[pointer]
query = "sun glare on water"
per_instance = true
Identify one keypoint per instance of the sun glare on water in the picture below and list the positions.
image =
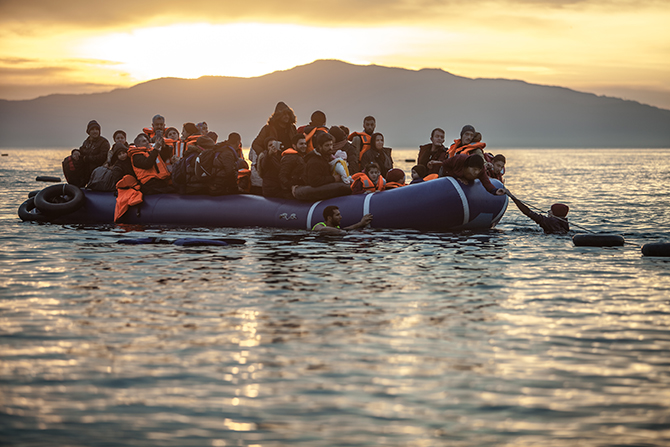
(245, 50)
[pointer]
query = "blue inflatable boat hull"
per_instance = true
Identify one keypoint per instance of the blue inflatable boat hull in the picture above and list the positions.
(438, 205)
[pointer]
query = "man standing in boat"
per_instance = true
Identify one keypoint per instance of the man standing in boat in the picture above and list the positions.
(362, 141)
(331, 222)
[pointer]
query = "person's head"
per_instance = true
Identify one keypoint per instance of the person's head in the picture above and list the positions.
(337, 132)
(559, 210)
(299, 143)
(158, 123)
(271, 145)
(345, 129)
(212, 136)
(324, 144)
(93, 129)
(498, 163)
(283, 115)
(318, 119)
(119, 152)
(172, 133)
(473, 167)
(189, 129)
(332, 216)
(467, 134)
(204, 143)
(396, 175)
(476, 138)
(75, 154)
(377, 141)
(373, 172)
(437, 137)
(369, 124)
(120, 137)
(142, 140)
(418, 172)
(202, 127)
(235, 140)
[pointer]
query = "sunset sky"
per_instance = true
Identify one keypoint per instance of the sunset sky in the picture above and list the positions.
(609, 47)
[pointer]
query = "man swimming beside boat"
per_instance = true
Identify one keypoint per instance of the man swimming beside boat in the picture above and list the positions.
(555, 222)
(332, 218)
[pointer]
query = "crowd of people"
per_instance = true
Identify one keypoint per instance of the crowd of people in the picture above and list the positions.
(309, 162)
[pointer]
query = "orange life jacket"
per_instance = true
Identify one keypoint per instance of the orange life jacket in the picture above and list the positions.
(149, 131)
(430, 177)
(366, 142)
(289, 151)
(159, 171)
(309, 137)
(454, 149)
(393, 185)
(129, 194)
(367, 183)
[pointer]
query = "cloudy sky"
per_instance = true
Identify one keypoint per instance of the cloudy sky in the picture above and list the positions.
(610, 47)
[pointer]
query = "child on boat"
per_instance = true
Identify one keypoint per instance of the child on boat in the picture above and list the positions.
(368, 181)
(340, 168)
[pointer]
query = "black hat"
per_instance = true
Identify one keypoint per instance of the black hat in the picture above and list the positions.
(466, 128)
(91, 125)
(338, 133)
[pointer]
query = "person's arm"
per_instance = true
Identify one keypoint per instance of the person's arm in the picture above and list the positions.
(364, 222)
(145, 161)
(537, 218)
(324, 229)
(486, 182)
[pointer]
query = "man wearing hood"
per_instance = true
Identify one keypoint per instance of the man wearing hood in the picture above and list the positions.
(93, 151)
(280, 127)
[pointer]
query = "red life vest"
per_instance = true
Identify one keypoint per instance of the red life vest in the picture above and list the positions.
(159, 171)
(367, 183)
(366, 142)
(456, 149)
(309, 137)
(128, 195)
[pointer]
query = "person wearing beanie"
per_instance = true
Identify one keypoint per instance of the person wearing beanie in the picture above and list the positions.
(395, 178)
(466, 144)
(418, 173)
(188, 130)
(343, 144)
(93, 151)
(120, 137)
(555, 222)
(280, 126)
(432, 155)
(467, 168)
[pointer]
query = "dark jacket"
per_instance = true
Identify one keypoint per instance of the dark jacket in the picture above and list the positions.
(269, 167)
(291, 170)
(93, 154)
(154, 185)
(426, 154)
(382, 158)
(455, 167)
(317, 170)
(550, 224)
(223, 175)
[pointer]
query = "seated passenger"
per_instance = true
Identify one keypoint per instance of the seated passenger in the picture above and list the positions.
(496, 169)
(466, 168)
(433, 154)
(362, 141)
(120, 137)
(418, 173)
(368, 181)
(212, 136)
(331, 222)
(183, 174)
(292, 165)
(120, 163)
(217, 166)
(466, 143)
(203, 129)
(73, 169)
(339, 166)
(395, 178)
(317, 169)
(378, 154)
(157, 128)
(268, 168)
(342, 144)
(93, 151)
(317, 124)
(150, 169)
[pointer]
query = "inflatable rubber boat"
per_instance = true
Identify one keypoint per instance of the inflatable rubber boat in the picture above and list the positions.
(442, 204)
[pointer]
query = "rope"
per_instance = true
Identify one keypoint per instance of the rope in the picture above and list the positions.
(542, 211)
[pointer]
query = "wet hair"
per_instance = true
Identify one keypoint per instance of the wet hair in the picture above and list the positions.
(329, 211)
(372, 165)
(296, 138)
(369, 118)
(421, 170)
(437, 129)
(474, 161)
(323, 138)
(499, 157)
(318, 118)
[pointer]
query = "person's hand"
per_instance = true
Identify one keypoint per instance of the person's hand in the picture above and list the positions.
(366, 219)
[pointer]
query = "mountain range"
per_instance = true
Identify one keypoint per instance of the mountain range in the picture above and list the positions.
(407, 104)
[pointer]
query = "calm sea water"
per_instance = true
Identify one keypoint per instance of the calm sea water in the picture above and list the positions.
(394, 338)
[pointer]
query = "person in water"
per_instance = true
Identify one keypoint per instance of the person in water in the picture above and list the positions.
(432, 155)
(467, 168)
(332, 219)
(555, 222)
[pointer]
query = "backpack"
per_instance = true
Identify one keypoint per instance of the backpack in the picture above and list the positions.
(204, 164)
(179, 177)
